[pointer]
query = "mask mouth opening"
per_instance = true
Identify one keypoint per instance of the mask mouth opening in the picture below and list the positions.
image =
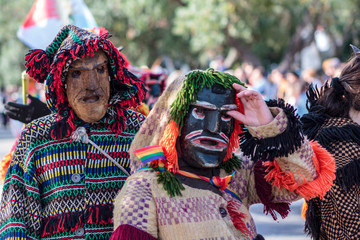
(90, 99)
(210, 143)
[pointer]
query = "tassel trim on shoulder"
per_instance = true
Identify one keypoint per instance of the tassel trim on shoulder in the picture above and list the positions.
(282, 145)
(324, 165)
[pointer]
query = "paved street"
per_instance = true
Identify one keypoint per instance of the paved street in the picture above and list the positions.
(290, 228)
(282, 229)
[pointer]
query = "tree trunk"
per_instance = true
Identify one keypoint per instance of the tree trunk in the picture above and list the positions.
(298, 42)
(243, 51)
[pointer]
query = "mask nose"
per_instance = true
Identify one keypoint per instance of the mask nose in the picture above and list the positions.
(92, 81)
(212, 121)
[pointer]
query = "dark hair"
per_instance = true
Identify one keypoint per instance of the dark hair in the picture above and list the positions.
(337, 94)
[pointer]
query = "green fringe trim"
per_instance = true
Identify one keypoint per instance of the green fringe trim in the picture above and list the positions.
(173, 185)
(195, 81)
(231, 164)
(54, 46)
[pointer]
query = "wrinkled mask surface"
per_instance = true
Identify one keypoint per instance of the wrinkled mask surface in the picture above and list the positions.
(207, 128)
(88, 87)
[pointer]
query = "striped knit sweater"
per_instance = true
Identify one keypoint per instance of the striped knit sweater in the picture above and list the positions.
(61, 189)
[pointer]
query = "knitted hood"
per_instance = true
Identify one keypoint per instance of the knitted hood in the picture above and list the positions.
(52, 65)
(164, 123)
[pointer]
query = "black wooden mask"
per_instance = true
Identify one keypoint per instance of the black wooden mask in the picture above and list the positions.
(207, 128)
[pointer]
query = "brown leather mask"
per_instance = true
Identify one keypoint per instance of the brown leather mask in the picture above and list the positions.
(88, 87)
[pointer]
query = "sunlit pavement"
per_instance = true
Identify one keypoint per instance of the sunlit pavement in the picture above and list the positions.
(281, 229)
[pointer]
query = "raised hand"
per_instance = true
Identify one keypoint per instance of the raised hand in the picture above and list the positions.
(26, 112)
(256, 112)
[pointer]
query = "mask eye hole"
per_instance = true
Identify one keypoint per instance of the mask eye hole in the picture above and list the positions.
(75, 74)
(225, 117)
(101, 69)
(198, 113)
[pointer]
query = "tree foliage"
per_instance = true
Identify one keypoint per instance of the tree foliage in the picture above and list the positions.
(194, 31)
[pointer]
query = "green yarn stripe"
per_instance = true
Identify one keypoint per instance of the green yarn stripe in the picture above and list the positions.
(195, 81)
(75, 37)
(60, 38)
(57, 42)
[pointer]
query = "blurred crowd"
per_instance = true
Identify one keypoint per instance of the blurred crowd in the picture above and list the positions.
(288, 85)
(274, 83)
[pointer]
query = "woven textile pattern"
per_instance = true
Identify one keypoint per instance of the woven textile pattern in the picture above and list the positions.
(58, 189)
(185, 217)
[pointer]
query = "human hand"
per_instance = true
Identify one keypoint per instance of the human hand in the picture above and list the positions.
(256, 112)
(26, 112)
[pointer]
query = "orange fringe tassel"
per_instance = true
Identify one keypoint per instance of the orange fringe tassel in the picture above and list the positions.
(324, 164)
(5, 162)
(167, 143)
(303, 210)
(4, 165)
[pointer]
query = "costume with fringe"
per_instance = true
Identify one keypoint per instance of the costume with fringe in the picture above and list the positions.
(154, 204)
(57, 188)
(337, 214)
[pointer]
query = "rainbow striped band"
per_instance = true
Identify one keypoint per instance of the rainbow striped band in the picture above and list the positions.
(150, 153)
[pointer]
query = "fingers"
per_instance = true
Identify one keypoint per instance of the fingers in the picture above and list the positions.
(11, 106)
(31, 97)
(236, 115)
(11, 115)
(249, 95)
(238, 87)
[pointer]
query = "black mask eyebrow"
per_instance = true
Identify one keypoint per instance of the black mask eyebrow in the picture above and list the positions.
(218, 89)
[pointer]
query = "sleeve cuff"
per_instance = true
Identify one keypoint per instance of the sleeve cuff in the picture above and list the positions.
(280, 138)
(275, 127)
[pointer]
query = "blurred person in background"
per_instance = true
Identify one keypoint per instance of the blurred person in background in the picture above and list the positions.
(3, 98)
(278, 79)
(330, 67)
(259, 82)
(297, 96)
(311, 77)
(291, 78)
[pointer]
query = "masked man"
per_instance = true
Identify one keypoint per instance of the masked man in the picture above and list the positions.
(68, 166)
(193, 186)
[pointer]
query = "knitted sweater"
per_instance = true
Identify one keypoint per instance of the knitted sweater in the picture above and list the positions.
(144, 210)
(337, 215)
(62, 189)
